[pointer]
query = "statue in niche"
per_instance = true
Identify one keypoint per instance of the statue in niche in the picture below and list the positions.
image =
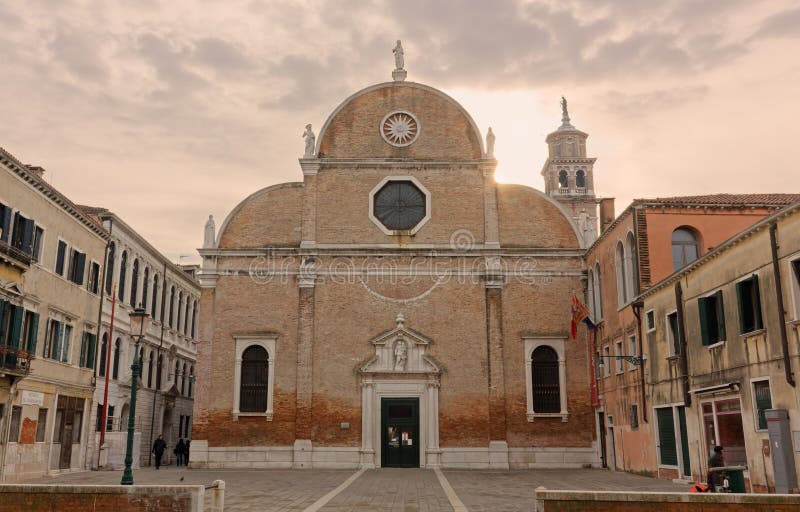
(208, 237)
(490, 138)
(586, 227)
(399, 61)
(400, 355)
(311, 142)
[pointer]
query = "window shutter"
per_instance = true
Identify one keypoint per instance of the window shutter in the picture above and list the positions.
(758, 323)
(4, 306)
(5, 222)
(27, 236)
(720, 316)
(702, 304)
(740, 306)
(55, 350)
(91, 350)
(33, 334)
(80, 267)
(17, 314)
(82, 359)
(60, 255)
(666, 437)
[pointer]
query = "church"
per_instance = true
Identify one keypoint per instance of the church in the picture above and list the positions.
(397, 307)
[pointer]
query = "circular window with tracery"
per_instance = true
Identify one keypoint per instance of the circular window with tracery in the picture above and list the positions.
(400, 128)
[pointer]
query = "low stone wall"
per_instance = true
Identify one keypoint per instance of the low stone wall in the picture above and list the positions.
(119, 498)
(621, 501)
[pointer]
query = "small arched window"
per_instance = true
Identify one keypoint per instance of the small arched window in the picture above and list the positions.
(134, 282)
(171, 305)
(191, 380)
(178, 315)
(103, 355)
(186, 317)
(598, 292)
(117, 350)
(619, 263)
(112, 248)
(194, 319)
(545, 379)
(630, 275)
(580, 179)
(150, 370)
(563, 180)
(123, 266)
(153, 302)
(145, 287)
(685, 247)
(253, 387)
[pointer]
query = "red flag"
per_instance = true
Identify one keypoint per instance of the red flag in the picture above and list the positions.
(580, 313)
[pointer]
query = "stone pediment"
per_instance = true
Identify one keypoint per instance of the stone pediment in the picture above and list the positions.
(400, 350)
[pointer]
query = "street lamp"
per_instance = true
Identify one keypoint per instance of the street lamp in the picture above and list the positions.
(140, 321)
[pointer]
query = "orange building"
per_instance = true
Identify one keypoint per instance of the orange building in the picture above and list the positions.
(648, 241)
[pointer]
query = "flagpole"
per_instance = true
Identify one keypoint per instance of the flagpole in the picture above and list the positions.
(104, 410)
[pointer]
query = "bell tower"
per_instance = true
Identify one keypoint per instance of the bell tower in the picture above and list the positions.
(569, 175)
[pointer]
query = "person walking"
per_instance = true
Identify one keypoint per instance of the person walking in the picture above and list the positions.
(186, 452)
(716, 461)
(158, 449)
(180, 451)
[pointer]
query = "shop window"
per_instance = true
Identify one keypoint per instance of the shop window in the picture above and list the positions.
(749, 298)
(722, 421)
(712, 318)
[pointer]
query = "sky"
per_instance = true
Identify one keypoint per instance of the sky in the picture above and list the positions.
(166, 112)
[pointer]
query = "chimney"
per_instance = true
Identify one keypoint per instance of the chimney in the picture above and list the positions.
(606, 212)
(36, 171)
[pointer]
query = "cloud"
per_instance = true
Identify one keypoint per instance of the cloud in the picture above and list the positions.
(628, 105)
(80, 54)
(220, 55)
(781, 24)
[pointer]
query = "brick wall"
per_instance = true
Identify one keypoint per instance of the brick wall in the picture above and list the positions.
(621, 501)
(120, 498)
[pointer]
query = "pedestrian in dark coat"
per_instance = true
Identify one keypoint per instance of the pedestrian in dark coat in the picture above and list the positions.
(180, 452)
(158, 449)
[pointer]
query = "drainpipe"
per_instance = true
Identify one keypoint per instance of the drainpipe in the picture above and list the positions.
(637, 312)
(687, 397)
(776, 270)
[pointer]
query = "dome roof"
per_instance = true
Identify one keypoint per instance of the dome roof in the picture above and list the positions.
(437, 126)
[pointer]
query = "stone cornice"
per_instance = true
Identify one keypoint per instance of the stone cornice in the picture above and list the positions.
(444, 251)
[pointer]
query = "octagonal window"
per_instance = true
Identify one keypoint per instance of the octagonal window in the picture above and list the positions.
(399, 205)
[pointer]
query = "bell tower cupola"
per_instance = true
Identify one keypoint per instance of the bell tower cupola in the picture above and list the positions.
(569, 175)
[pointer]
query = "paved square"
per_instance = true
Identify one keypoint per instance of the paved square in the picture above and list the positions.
(389, 490)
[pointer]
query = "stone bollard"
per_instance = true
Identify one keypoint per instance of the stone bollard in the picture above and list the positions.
(539, 504)
(218, 496)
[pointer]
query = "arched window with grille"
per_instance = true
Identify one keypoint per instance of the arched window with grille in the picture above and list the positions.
(685, 247)
(580, 179)
(134, 282)
(112, 248)
(123, 269)
(546, 377)
(546, 392)
(254, 374)
(117, 350)
(103, 355)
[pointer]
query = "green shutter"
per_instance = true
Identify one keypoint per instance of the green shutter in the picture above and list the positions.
(33, 334)
(763, 402)
(17, 314)
(720, 316)
(3, 320)
(702, 304)
(55, 349)
(757, 321)
(666, 437)
(740, 306)
(82, 359)
(687, 467)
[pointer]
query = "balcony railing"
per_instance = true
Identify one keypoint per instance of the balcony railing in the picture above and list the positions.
(572, 191)
(15, 361)
(21, 257)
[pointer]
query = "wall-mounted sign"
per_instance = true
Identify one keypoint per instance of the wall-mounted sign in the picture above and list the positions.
(32, 398)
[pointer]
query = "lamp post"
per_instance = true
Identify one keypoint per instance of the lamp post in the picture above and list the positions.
(139, 320)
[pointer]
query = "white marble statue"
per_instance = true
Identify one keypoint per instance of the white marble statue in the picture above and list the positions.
(586, 227)
(490, 138)
(209, 236)
(399, 61)
(400, 356)
(311, 142)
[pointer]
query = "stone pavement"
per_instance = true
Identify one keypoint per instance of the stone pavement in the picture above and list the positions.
(389, 489)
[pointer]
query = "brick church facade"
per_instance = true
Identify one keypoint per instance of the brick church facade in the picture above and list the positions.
(397, 307)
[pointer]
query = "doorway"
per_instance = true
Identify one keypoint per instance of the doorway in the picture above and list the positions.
(400, 432)
(601, 420)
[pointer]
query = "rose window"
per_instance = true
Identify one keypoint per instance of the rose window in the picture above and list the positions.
(400, 128)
